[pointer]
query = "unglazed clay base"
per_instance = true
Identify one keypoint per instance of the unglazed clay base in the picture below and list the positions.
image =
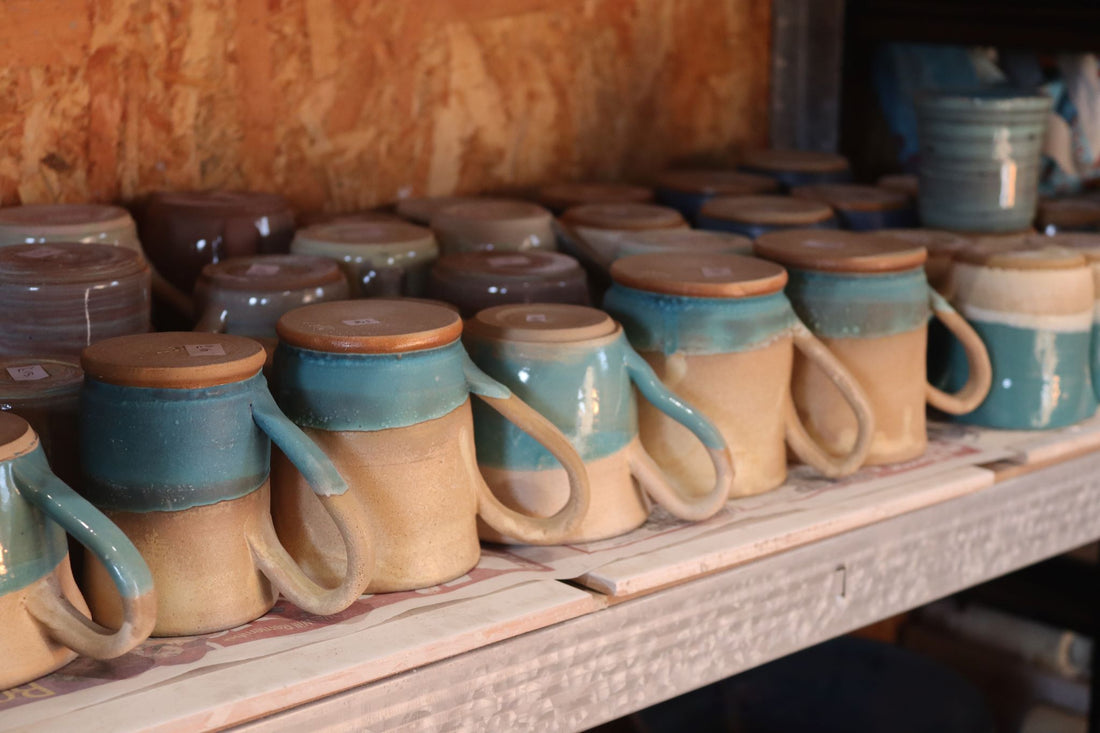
(617, 503)
(417, 487)
(892, 371)
(25, 645)
(203, 570)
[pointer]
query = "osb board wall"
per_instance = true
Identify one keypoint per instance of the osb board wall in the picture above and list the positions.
(341, 104)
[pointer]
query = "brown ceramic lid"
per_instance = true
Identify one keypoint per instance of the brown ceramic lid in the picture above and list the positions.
(272, 272)
(1026, 253)
(1084, 243)
(421, 210)
(371, 326)
(252, 203)
(767, 210)
(564, 195)
(175, 360)
(905, 183)
(542, 323)
(66, 262)
(16, 436)
(838, 251)
(1069, 213)
(776, 159)
(23, 378)
(624, 217)
(852, 196)
(491, 210)
(509, 265)
(717, 182)
(57, 217)
(700, 275)
(936, 241)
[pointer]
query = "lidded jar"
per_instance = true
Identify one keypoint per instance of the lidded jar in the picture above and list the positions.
(476, 280)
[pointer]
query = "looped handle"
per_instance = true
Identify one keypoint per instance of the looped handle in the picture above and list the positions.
(270, 555)
(980, 377)
(213, 320)
(169, 294)
(128, 571)
(804, 446)
(580, 245)
(649, 474)
(525, 528)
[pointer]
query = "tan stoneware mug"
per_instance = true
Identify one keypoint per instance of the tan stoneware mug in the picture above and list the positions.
(574, 365)
(175, 438)
(384, 388)
(868, 300)
(44, 620)
(720, 333)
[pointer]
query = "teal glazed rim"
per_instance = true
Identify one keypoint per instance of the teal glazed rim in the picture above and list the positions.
(860, 305)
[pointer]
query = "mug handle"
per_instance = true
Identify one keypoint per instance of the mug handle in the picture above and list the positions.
(273, 559)
(212, 320)
(646, 470)
(131, 576)
(523, 527)
(804, 446)
(168, 293)
(980, 378)
(579, 243)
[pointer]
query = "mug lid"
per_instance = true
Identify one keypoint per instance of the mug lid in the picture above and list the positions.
(906, 183)
(16, 436)
(541, 323)
(272, 272)
(1034, 252)
(227, 202)
(422, 209)
(716, 182)
(60, 219)
(67, 262)
(833, 250)
(767, 210)
(794, 161)
(370, 326)
(175, 360)
(853, 196)
(699, 275)
(491, 210)
(29, 377)
(628, 216)
(1069, 213)
(488, 265)
(936, 241)
(566, 194)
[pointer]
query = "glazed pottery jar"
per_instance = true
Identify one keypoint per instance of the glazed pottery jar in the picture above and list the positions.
(866, 297)
(476, 280)
(247, 295)
(86, 223)
(175, 445)
(797, 167)
(561, 196)
(43, 617)
(1069, 215)
(182, 231)
(1088, 246)
(573, 365)
(720, 333)
(379, 258)
(45, 393)
(57, 298)
(687, 190)
(383, 386)
(694, 241)
(594, 229)
(1033, 307)
(421, 210)
(493, 224)
(906, 183)
(979, 158)
(751, 216)
(862, 208)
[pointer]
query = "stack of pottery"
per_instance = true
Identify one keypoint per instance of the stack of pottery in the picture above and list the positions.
(752, 216)
(493, 224)
(561, 196)
(476, 280)
(687, 190)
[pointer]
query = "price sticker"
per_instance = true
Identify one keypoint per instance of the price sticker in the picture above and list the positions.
(39, 253)
(536, 318)
(205, 350)
(362, 322)
(28, 373)
(509, 260)
(710, 272)
(260, 270)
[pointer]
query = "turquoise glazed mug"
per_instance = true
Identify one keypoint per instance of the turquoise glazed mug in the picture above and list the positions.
(979, 158)
(175, 445)
(1033, 307)
(44, 620)
(574, 365)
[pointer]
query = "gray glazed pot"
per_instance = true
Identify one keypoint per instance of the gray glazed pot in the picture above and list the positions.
(979, 168)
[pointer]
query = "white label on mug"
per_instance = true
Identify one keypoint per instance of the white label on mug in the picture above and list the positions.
(205, 350)
(258, 270)
(39, 253)
(536, 318)
(27, 373)
(361, 322)
(509, 260)
(716, 271)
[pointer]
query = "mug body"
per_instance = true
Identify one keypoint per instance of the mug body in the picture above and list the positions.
(493, 224)
(473, 281)
(84, 223)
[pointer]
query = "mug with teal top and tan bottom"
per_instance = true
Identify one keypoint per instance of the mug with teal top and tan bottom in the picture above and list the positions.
(574, 365)
(44, 620)
(175, 441)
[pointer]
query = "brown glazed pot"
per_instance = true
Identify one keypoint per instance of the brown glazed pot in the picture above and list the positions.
(476, 280)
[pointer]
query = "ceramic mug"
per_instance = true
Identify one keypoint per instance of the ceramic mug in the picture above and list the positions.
(384, 388)
(862, 208)
(84, 223)
(720, 333)
(591, 231)
(493, 224)
(1033, 307)
(797, 167)
(175, 439)
(46, 393)
(573, 365)
(57, 298)
(684, 241)
(1087, 245)
(380, 258)
(687, 190)
(476, 280)
(420, 210)
(44, 620)
(561, 196)
(752, 216)
(867, 299)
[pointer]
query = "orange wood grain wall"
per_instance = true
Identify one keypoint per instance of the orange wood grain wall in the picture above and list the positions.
(342, 104)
